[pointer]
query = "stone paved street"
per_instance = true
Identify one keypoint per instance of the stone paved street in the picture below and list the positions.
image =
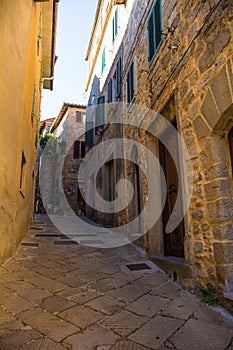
(69, 296)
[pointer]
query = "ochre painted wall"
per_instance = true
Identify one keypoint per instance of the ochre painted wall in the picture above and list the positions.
(19, 73)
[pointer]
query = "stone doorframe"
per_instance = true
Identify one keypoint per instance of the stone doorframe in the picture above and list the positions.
(156, 234)
(212, 127)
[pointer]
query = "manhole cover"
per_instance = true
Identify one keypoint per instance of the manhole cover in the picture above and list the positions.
(65, 242)
(30, 244)
(139, 266)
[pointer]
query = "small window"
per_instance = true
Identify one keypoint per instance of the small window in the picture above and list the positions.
(103, 61)
(33, 104)
(110, 90)
(118, 78)
(22, 174)
(154, 29)
(130, 83)
(78, 117)
(115, 26)
(79, 149)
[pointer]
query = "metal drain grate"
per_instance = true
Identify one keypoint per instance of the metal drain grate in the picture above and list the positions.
(36, 228)
(50, 235)
(30, 244)
(93, 241)
(138, 267)
(70, 242)
(84, 235)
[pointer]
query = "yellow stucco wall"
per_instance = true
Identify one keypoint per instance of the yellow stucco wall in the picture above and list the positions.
(19, 73)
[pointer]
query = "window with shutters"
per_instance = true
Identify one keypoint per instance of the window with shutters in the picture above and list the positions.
(154, 29)
(110, 90)
(130, 84)
(100, 115)
(79, 149)
(118, 78)
(78, 117)
(115, 26)
(103, 63)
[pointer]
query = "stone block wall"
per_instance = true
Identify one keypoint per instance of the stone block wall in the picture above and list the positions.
(197, 76)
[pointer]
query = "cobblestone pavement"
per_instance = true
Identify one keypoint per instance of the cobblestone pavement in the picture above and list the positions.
(55, 295)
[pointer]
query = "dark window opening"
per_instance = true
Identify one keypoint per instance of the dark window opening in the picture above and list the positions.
(100, 115)
(230, 142)
(79, 149)
(22, 172)
(78, 117)
(110, 90)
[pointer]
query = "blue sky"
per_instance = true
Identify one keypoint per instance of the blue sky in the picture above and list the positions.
(75, 20)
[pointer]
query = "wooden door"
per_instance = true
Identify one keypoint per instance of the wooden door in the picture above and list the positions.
(174, 241)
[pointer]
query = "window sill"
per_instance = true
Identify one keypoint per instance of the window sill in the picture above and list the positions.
(130, 104)
(151, 61)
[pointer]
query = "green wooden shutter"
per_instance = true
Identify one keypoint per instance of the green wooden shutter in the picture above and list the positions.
(118, 77)
(157, 21)
(103, 61)
(100, 111)
(113, 29)
(150, 29)
(130, 83)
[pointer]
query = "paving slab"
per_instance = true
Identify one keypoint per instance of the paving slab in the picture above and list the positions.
(15, 303)
(43, 344)
(51, 325)
(81, 316)
(147, 305)
(128, 345)
(129, 293)
(17, 339)
(56, 304)
(106, 304)
(78, 297)
(92, 337)
(156, 331)
(124, 322)
(200, 335)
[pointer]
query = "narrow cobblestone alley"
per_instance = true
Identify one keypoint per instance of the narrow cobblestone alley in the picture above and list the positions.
(58, 295)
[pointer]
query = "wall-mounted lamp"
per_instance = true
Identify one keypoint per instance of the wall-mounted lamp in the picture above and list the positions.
(173, 47)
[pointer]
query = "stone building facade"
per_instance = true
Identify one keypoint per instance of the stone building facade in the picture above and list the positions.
(68, 130)
(27, 45)
(180, 56)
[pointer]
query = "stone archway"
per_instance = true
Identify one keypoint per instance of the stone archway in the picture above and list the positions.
(212, 128)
